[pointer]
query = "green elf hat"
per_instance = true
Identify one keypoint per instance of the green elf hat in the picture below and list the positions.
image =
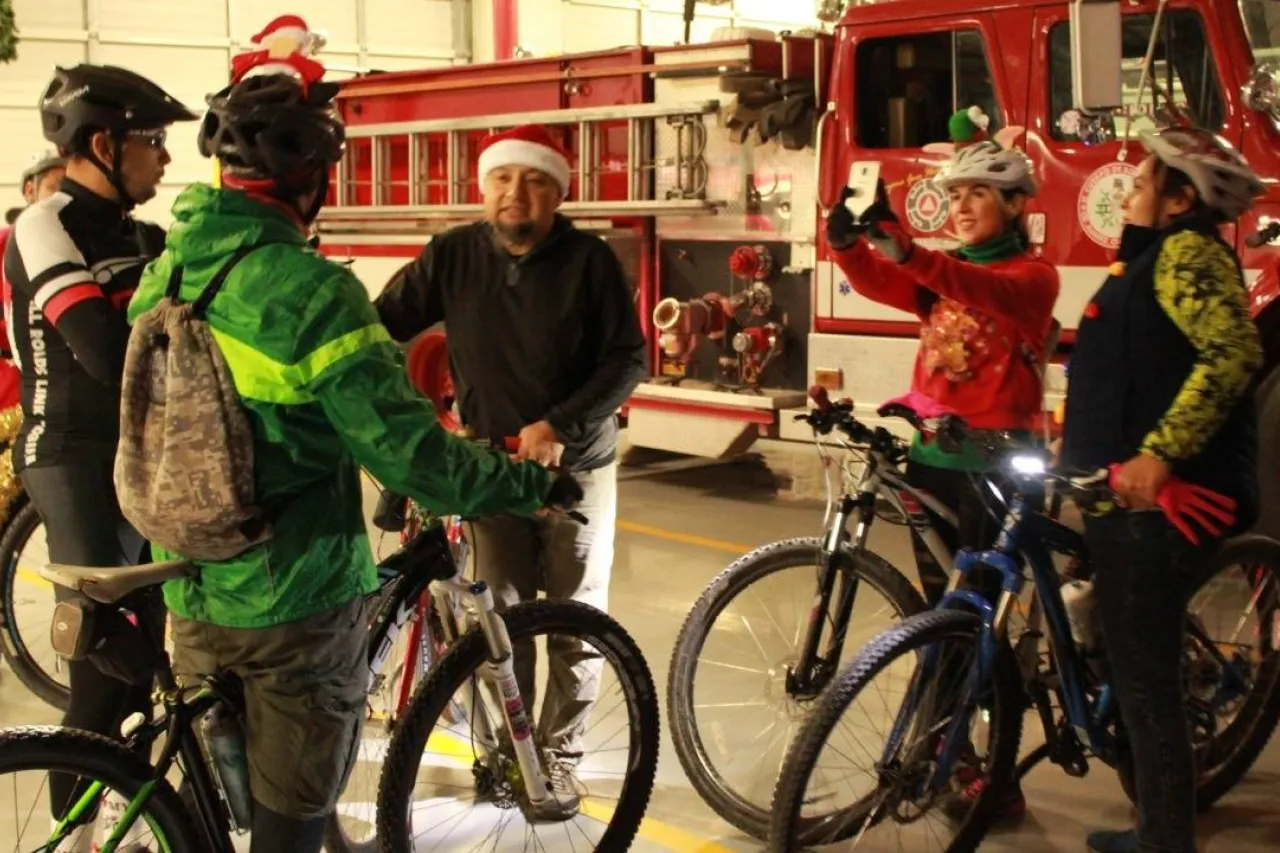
(968, 126)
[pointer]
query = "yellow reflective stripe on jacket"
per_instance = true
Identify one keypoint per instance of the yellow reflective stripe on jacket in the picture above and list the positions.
(260, 377)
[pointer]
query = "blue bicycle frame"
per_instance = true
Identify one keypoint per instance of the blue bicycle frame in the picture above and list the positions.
(1027, 537)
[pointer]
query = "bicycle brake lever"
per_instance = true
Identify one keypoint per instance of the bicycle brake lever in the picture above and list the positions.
(577, 516)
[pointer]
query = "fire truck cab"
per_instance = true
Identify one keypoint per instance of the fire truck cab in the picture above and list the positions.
(709, 167)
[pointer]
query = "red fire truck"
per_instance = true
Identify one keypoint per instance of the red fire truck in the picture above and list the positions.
(708, 167)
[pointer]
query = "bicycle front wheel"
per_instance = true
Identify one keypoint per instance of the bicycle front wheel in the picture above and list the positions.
(455, 784)
(731, 711)
(900, 799)
(29, 754)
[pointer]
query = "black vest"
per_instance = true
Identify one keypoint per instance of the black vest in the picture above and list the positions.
(1129, 363)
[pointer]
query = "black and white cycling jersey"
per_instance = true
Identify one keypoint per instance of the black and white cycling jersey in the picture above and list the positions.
(70, 268)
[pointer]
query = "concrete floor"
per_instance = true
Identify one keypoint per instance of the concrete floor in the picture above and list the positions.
(677, 531)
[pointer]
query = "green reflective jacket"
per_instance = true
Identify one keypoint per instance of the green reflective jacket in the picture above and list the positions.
(326, 393)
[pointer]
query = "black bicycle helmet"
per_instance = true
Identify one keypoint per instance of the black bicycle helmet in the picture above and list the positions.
(80, 101)
(273, 127)
(87, 98)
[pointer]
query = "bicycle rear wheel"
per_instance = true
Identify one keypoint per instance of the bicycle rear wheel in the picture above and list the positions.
(1233, 709)
(427, 749)
(26, 613)
(164, 824)
(936, 652)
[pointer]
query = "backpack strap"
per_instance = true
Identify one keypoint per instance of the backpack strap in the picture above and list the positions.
(175, 283)
(201, 305)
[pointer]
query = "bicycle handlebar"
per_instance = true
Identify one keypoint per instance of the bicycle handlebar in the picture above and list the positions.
(1264, 235)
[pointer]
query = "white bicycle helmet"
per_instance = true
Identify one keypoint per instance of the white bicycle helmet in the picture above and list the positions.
(1221, 176)
(988, 163)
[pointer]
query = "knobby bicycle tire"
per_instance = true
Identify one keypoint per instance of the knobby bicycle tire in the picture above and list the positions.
(906, 638)
(1247, 736)
(872, 569)
(469, 653)
(17, 533)
(71, 751)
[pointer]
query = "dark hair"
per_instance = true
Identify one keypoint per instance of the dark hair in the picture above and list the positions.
(1173, 182)
(11, 215)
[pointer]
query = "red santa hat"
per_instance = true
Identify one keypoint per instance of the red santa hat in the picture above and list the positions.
(288, 34)
(530, 146)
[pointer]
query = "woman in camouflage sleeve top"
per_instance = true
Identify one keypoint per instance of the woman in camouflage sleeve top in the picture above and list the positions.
(1160, 384)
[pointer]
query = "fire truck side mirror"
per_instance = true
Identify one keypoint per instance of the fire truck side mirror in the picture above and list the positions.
(1095, 55)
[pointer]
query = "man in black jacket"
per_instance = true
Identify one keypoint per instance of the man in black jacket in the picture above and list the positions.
(544, 343)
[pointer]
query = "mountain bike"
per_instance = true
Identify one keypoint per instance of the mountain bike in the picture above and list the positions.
(203, 819)
(837, 564)
(961, 671)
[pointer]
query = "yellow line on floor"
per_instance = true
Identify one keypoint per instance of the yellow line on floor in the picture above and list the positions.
(452, 745)
(685, 538)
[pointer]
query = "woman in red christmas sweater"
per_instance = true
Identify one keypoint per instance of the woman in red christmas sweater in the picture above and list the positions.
(986, 311)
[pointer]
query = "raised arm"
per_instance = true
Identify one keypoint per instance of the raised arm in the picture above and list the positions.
(1025, 292)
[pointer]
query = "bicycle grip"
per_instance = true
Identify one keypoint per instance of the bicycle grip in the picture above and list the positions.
(511, 443)
(820, 398)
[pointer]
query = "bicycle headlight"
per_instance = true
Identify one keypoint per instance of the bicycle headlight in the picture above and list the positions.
(1027, 465)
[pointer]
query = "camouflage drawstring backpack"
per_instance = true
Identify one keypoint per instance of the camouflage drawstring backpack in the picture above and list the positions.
(184, 465)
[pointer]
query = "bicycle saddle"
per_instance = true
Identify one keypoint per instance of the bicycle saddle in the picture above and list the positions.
(109, 585)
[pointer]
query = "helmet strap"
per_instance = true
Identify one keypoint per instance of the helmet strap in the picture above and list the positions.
(113, 172)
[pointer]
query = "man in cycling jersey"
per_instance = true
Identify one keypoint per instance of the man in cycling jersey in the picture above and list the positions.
(326, 392)
(71, 264)
(544, 343)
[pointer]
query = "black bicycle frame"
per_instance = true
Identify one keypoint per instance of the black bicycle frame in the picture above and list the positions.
(814, 669)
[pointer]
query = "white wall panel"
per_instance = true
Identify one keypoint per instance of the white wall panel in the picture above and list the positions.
(141, 18)
(412, 26)
(337, 17)
(585, 25)
(49, 14)
(597, 27)
(186, 48)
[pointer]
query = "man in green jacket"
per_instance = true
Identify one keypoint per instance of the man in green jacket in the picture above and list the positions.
(326, 392)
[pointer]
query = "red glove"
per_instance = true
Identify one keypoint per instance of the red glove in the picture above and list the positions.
(1183, 502)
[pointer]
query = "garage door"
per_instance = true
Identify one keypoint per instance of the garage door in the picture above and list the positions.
(186, 48)
(582, 25)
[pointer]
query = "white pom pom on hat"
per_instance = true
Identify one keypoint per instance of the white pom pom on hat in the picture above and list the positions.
(530, 146)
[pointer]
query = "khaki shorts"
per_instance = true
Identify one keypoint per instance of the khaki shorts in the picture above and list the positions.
(304, 694)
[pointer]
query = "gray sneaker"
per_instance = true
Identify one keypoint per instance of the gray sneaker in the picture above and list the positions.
(564, 802)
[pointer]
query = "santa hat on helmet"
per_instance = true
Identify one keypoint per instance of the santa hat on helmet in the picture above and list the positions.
(530, 146)
(286, 45)
(287, 35)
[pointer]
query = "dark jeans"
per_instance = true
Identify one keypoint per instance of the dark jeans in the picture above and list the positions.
(1144, 571)
(84, 527)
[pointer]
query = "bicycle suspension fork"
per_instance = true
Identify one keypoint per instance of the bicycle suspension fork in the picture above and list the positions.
(814, 670)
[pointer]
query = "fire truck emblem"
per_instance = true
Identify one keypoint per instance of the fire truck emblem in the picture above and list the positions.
(1099, 206)
(927, 207)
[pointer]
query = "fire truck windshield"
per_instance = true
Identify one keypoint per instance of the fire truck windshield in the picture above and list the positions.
(1262, 23)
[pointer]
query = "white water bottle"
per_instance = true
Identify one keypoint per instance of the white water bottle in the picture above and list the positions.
(1078, 599)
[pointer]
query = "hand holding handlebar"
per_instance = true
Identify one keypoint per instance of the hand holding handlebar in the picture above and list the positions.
(1183, 502)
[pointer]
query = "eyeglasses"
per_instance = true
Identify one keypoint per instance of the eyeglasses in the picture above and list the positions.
(153, 139)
